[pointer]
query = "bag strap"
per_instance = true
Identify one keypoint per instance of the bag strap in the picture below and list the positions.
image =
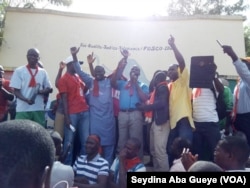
(214, 92)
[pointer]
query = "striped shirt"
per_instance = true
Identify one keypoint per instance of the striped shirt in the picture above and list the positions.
(91, 169)
(204, 107)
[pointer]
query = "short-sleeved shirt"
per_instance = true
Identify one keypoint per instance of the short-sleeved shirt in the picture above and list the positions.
(73, 86)
(128, 100)
(21, 79)
(180, 105)
(204, 107)
(91, 169)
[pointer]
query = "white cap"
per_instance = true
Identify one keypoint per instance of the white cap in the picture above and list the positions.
(68, 60)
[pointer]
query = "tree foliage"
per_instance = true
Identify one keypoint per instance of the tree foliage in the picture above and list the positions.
(210, 7)
(205, 7)
(247, 40)
(32, 3)
(25, 4)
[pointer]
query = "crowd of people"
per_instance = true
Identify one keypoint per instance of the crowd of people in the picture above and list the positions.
(99, 137)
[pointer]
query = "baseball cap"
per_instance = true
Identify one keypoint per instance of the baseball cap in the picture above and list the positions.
(68, 60)
(1, 69)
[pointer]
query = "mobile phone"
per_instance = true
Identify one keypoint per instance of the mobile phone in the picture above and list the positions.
(219, 43)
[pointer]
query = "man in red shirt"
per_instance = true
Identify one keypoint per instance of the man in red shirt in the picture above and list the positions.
(6, 94)
(76, 110)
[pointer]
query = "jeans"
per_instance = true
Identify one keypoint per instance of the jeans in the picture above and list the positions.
(206, 137)
(81, 123)
(242, 124)
(184, 130)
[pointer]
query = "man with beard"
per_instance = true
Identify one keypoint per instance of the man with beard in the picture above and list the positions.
(102, 120)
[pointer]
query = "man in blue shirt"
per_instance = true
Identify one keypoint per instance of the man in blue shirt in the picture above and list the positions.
(132, 92)
(241, 109)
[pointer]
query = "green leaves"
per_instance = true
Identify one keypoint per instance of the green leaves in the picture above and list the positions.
(205, 7)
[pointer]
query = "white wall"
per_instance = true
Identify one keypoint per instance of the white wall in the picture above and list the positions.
(54, 32)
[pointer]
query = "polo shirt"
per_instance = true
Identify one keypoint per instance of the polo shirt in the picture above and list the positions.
(91, 169)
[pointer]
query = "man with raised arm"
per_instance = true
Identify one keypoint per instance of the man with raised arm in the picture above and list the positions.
(241, 109)
(102, 120)
(180, 107)
(130, 119)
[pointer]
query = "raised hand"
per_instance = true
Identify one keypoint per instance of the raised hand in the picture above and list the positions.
(91, 58)
(62, 65)
(188, 158)
(74, 50)
(229, 51)
(171, 41)
(124, 53)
